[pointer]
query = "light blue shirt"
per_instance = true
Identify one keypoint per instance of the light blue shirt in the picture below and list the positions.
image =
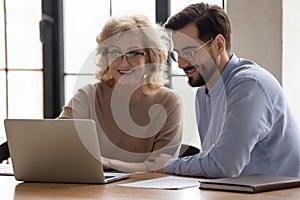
(245, 127)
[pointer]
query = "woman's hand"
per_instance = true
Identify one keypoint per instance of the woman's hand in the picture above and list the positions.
(105, 163)
(160, 161)
(123, 166)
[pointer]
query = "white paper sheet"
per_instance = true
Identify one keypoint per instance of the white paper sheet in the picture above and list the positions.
(6, 169)
(169, 182)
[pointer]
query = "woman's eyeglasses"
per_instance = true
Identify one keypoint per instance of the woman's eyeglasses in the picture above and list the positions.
(188, 53)
(132, 57)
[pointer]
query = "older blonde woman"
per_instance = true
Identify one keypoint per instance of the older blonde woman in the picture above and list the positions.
(137, 117)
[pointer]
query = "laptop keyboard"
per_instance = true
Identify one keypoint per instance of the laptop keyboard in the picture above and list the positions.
(109, 177)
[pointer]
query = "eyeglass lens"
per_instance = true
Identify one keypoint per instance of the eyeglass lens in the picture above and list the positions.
(188, 54)
(131, 56)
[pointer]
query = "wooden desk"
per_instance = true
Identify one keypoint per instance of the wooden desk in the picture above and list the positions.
(12, 189)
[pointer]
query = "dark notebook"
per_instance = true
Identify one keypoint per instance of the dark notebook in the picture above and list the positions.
(251, 183)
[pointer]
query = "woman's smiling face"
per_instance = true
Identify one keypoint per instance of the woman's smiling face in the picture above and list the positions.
(127, 58)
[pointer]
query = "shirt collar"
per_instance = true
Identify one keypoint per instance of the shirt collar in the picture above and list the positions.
(219, 85)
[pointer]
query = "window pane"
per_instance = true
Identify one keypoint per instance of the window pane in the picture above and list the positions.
(24, 46)
(2, 106)
(187, 95)
(82, 23)
(73, 83)
(2, 47)
(121, 7)
(177, 6)
(25, 95)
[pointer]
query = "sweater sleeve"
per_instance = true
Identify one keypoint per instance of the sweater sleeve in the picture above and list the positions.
(79, 106)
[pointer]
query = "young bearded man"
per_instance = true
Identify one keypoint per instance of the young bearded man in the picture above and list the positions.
(244, 121)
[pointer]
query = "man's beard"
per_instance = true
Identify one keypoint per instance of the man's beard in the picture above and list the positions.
(205, 71)
(198, 81)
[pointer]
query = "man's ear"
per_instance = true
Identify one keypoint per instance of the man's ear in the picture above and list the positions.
(220, 43)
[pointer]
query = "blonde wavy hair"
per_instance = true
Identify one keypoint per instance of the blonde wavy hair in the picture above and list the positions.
(153, 36)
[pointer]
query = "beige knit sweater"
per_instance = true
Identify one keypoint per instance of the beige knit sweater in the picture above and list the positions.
(134, 130)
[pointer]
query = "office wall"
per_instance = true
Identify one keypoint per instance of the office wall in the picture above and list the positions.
(257, 32)
(291, 54)
(267, 32)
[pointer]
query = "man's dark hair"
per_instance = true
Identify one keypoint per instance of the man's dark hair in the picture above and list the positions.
(210, 20)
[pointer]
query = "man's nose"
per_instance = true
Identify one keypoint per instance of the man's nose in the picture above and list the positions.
(182, 63)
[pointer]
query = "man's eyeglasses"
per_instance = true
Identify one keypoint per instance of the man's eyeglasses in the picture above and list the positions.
(133, 56)
(188, 53)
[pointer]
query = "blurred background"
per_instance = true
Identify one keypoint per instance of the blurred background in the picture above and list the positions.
(46, 45)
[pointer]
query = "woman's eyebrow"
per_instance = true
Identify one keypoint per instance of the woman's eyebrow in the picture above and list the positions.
(114, 47)
(134, 48)
(131, 48)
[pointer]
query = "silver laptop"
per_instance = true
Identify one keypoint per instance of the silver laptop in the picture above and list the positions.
(50, 150)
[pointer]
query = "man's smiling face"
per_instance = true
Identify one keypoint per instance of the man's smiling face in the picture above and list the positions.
(195, 58)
